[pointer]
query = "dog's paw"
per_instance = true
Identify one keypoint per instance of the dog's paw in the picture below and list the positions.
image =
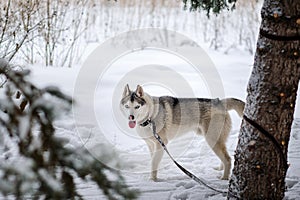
(224, 178)
(156, 179)
(153, 179)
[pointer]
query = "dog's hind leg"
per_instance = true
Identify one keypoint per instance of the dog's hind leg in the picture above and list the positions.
(221, 151)
(216, 137)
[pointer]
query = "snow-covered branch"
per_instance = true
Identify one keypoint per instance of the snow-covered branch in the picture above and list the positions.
(36, 162)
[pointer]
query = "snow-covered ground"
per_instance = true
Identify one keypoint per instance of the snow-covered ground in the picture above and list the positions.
(191, 150)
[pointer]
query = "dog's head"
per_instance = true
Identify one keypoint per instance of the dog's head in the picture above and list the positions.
(134, 105)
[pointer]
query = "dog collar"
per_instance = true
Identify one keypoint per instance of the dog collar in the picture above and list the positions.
(146, 123)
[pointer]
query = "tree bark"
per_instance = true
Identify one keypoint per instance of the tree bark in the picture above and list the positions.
(259, 170)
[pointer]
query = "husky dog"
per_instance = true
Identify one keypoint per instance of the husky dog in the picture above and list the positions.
(176, 116)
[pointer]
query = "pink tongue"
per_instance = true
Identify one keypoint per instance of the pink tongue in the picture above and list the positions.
(132, 124)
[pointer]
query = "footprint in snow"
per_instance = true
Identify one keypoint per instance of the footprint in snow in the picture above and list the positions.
(187, 185)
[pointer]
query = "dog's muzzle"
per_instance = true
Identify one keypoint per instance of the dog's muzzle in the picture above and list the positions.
(132, 122)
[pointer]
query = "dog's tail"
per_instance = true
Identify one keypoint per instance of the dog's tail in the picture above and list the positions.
(234, 104)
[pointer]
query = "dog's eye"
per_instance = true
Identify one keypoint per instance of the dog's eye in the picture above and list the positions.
(126, 106)
(137, 107)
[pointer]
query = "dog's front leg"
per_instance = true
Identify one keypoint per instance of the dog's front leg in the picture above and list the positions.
(150, 145)
(157, 155)
(156, 158)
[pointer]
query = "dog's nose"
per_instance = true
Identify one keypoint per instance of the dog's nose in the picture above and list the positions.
(131, 117)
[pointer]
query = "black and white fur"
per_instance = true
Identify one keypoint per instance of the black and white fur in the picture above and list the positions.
(176, 116)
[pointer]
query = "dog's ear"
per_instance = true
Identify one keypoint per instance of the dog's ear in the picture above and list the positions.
(126, 91)
(139, 91)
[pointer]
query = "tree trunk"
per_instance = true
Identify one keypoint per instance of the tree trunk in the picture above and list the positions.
(260, 168)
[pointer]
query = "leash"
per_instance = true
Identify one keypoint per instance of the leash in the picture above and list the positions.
(270, 137)
(188, 173)
(201, 181)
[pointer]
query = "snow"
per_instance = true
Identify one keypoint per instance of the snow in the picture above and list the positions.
(118, 140)
(24, 126)
(102, 129)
